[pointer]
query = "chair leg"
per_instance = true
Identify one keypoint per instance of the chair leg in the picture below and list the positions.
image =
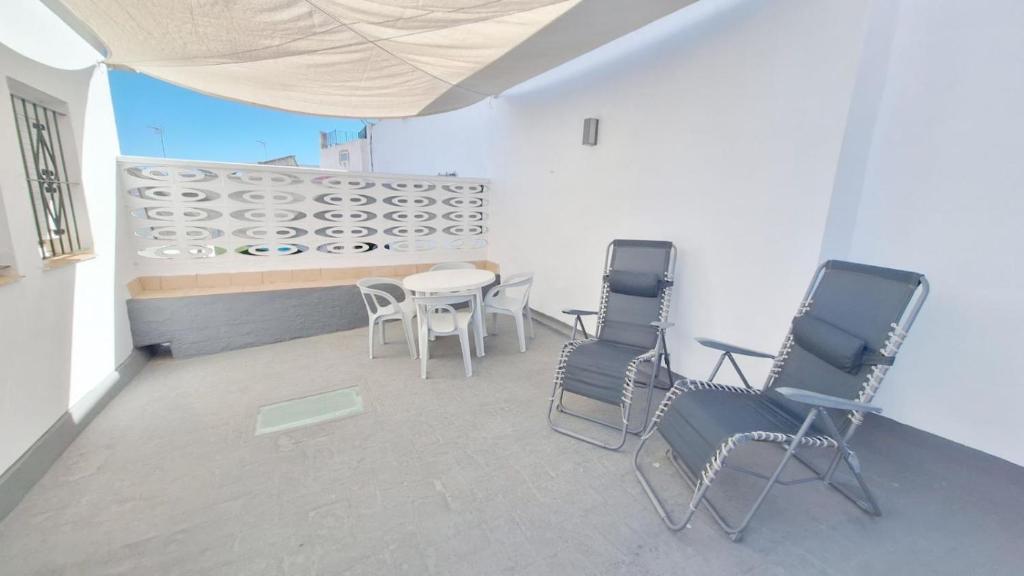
(384, 332)
(868, 504)
(520, 332)
(696, 481)
(790, 451)
(478, 324)
(556, 405)
(653, 496)
(467, 361)
(409, 338)
(373, 323)
(424, 352)
(866, 499)
(697, 499)
(845, 454)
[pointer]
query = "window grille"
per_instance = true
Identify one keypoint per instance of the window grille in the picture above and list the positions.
(50, 185)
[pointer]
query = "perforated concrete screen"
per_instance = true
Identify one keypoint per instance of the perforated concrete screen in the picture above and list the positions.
(234, 217)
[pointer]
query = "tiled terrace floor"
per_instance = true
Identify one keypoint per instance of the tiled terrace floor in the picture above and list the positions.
(456, 476)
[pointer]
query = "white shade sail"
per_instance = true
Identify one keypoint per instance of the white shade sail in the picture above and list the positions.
(355, 58)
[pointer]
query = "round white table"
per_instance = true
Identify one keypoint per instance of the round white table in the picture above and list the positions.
(451, 281)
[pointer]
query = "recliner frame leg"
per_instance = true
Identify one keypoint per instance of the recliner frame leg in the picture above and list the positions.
(556, 394)
(847, 455)
(556, 405)
(700, 487)
(653, 496)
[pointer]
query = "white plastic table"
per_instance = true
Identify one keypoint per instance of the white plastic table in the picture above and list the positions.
(452, 281)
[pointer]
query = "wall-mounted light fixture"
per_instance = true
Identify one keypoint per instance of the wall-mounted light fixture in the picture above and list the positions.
(590, 131)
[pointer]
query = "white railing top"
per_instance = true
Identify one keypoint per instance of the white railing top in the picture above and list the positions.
(152, 160)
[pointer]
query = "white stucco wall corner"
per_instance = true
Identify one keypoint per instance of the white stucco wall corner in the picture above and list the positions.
(71, 328)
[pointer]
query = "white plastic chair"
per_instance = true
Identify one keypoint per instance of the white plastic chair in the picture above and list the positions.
(453, 266)
(512, 298)
(438, 317)
(382, 307)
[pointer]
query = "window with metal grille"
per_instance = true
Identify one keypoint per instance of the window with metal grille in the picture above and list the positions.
(52, 176)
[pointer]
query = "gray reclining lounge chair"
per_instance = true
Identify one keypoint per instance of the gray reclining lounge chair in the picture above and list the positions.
(631, 324)
(840, 346)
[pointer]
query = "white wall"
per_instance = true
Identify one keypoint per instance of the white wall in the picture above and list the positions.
(720, 130)
(761, 137)
(61, 330)
(358, 156)
(944, 194)
(440, 144)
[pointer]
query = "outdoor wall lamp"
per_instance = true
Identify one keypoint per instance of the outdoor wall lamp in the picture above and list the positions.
(590, 131)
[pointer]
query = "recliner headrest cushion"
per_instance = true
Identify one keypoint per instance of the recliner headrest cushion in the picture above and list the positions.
(829, 342)
(644, 284)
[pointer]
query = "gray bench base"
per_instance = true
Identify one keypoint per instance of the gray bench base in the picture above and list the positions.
(196, 325)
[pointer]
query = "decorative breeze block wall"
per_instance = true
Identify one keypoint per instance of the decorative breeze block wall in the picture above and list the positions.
(195, 217)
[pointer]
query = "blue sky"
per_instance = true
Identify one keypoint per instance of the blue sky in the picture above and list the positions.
(198, 127)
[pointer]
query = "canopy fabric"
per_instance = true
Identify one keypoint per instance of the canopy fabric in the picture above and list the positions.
(355, 58)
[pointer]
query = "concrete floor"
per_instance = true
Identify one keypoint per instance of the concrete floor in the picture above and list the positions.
(456, 476)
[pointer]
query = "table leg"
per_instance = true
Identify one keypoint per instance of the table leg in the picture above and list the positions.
(419, 316)
(478, 318)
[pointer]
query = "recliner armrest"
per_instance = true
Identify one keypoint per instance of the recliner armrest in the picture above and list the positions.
(662, 325)
(731, 348)
(825, 401)
(576, 312)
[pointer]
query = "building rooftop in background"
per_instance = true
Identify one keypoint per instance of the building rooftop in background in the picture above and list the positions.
(282, 161)
(346, 150)
(336, 137)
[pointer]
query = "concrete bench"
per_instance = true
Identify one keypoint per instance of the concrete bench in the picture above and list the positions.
(208, 313)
